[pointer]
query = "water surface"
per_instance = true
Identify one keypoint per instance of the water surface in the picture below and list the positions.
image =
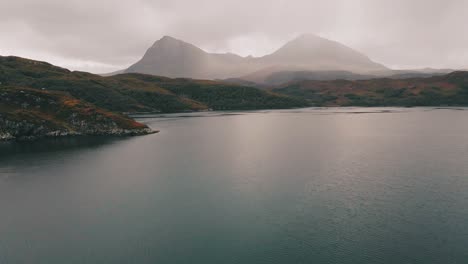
(336, 185)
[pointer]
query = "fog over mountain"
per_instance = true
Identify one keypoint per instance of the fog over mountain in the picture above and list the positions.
(175, 58)
(108, 35)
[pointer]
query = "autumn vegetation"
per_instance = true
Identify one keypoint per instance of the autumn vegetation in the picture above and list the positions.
(445, 90)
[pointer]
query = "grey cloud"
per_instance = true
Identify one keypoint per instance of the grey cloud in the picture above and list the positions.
(107, 35)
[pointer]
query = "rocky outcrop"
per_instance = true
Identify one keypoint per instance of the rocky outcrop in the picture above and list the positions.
(28, 114)
(25, 130)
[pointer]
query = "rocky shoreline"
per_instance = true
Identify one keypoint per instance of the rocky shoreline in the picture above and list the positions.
(24, 131)
(55, 134)
(29, 114)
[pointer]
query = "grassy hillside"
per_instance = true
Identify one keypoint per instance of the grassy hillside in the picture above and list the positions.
(139, 92)
(27, 113)
(447, 90)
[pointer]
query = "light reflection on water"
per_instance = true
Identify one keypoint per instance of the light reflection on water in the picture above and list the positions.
(316, 185)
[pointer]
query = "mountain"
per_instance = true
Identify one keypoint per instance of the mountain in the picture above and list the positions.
(175, 58)
(446, 90)
(313, 53)
(40, 99)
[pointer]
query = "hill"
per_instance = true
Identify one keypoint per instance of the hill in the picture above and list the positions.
(282, 77)
(445, 90)
(276, 76)
(139, 92)
(27, 113)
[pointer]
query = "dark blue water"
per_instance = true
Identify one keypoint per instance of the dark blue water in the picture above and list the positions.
(339, 185)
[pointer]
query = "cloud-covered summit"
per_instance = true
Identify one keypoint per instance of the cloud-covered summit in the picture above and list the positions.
(175, 58)
(106, 35)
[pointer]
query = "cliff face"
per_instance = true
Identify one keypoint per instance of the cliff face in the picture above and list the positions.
(27, 114)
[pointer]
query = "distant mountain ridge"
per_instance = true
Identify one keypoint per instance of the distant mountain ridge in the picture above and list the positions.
(175, 58)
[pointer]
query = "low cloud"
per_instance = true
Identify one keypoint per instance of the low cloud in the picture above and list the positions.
(107, 35)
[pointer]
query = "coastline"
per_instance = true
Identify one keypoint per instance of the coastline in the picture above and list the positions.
(7, 136)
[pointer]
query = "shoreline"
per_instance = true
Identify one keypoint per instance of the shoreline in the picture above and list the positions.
(8, 137)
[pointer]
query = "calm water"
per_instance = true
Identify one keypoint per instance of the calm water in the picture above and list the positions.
(355, 185)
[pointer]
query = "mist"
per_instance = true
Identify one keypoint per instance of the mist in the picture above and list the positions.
(103, 36)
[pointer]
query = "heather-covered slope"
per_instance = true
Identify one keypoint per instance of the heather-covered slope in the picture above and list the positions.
(139, 92)
(446, 90)
(30, 113)
(120, 95)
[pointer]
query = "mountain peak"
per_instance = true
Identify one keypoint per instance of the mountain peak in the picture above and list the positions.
(307, 36)
(308, 41)
(172, 45)
(168, 40)
(313, 52)
(171, 57)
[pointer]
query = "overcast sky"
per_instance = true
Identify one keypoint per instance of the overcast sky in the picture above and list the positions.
(107, 35)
